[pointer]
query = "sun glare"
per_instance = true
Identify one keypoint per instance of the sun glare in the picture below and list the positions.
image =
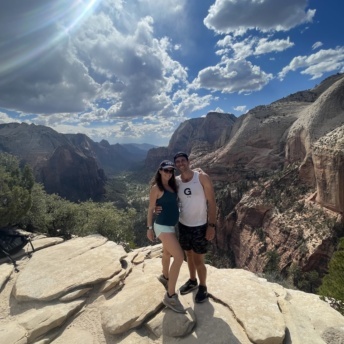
(44, 27)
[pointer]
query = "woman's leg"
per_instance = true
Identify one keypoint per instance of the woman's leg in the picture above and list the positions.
(165, 260)
(171, 244)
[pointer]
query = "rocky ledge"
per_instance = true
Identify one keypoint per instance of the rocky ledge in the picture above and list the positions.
(90, 291)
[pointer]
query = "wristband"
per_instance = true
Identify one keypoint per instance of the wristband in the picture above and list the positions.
(211, 225)
(149, 227)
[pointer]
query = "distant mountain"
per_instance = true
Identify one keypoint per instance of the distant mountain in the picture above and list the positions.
(138, 150)
(112, 158)
(71, 165)
(140, 146)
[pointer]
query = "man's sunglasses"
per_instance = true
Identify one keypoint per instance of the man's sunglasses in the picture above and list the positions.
(168, 171)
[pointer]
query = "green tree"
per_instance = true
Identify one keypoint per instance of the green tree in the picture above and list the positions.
(107, 220)
(36, 219)
(333, 283)
(273, 262)
(15, 190)
(61, 216)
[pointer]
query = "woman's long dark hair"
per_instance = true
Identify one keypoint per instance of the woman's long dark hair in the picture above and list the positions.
(157, 180)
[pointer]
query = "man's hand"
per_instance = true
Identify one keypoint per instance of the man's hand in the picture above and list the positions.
(210, 233)
(157, 209)
(198, 169)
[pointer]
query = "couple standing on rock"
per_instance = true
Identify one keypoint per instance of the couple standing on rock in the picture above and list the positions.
(188, 200)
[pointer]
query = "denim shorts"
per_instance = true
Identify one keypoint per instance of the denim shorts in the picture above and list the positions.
(158, 229)
(193, 238)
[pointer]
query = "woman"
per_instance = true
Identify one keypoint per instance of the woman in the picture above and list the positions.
(164, 193)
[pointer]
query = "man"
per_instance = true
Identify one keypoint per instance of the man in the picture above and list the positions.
(197, 220)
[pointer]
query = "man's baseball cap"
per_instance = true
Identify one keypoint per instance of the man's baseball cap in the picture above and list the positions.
(165, 164)
(179, 154)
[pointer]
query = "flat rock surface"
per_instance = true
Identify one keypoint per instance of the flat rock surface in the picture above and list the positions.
(74, 263)
(89, 290)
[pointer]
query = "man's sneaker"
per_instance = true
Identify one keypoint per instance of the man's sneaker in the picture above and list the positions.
(163, 280)
(173, 303)
(202, 294)
(188, 286)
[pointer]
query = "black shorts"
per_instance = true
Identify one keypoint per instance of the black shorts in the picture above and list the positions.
(193, 238)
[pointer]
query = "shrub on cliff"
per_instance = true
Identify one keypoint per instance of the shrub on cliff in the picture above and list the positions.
(333, 283)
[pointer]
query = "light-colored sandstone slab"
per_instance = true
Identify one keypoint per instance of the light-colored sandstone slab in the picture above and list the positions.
(140, 298)
(238, 300)
(12, 333)
(252, 301)
(155, 324)
(135, 338)
(308, 317)
(156, 251)
(40, 321)
(300, 329)
(178, 324)
(75, 336)
(5, 273)
(334, 335)
(215, 324)
(39, 244)
(140, 258)
(113, 282)
(172, 324)
(83, 261)
(131, 255)
(74, 295)
(152, 267)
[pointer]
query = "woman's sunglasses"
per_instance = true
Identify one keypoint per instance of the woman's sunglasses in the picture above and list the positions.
(168, 171)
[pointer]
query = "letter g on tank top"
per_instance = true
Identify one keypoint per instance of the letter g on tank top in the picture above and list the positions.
(193, 202)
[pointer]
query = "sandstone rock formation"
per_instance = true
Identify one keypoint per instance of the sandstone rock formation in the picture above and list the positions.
(328, 161)
(40, 304)
(70, 174)
(196, 137)
(314, 122)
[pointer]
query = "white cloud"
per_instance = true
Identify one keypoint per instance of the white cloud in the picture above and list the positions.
(118, 64)
(190, 102)
(317, 64)
(219, 110)
(265, 46)
(231, 16)
(240, 108)
(232, 76)
(121, 70)
(252, 46)
(4, 118)
(243, 48)
(316, 45)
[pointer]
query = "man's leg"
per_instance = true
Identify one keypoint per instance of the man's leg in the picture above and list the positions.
(199, 266)
(191, 264)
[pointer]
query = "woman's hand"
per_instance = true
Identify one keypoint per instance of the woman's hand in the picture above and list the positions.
(150, 234)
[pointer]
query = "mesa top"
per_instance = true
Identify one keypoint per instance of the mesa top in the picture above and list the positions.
(170, 213)
(191, 195)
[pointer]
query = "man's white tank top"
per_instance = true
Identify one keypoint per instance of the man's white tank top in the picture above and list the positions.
(193, 204)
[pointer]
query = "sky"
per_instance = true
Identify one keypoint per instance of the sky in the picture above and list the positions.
(132, 71)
